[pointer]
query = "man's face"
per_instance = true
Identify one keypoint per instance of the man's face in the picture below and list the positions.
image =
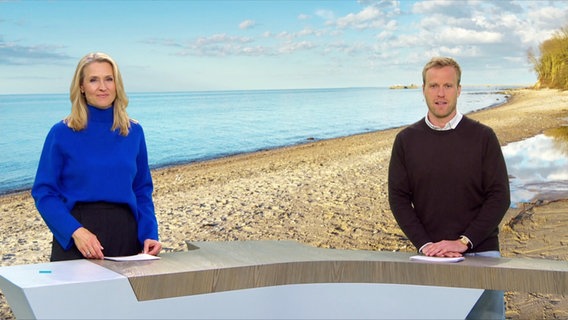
(441, 91)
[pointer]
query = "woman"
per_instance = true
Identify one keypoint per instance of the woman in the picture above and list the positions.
(93, 186)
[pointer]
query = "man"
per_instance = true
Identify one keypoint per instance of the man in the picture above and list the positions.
(448, 183)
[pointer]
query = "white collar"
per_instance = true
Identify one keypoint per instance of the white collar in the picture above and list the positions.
(452, 124)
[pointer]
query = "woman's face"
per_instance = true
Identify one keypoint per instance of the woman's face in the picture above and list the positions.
(98, 85)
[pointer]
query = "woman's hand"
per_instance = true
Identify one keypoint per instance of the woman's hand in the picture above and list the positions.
(152, 247)
(88, 244)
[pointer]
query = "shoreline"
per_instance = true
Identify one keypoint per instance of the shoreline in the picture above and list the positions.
(12, 187)
(254, 152)
(329, 193)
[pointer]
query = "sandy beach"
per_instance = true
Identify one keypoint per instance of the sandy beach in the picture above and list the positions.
(330, 194)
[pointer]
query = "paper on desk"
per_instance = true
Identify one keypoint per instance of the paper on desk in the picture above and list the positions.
(436, 259)
(136, 257)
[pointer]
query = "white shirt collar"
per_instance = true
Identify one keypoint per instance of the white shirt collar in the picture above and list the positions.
(452, 124)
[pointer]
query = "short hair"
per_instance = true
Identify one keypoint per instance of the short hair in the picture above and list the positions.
(77, 119)
(440, 62)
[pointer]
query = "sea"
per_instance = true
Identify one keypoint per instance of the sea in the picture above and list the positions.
(185, 127)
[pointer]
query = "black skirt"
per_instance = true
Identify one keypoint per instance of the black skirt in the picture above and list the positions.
(112, 223)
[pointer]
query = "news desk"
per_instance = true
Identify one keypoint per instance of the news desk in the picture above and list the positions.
(269, 280)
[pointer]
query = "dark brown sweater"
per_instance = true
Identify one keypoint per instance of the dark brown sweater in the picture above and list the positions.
(443, 184)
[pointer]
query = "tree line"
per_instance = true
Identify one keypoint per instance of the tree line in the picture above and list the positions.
(552, 65)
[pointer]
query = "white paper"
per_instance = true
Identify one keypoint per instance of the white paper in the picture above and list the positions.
(436, 259)
(137, 257)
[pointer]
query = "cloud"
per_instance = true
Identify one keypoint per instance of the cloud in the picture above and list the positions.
(375, 15)
(465, 36)
(12, 53)
(507, 6)
(290, 47)
(364, 19)
(455, 9)
(350, 49)
(222, 45)
(548, 17)
(164, 42)
(306, 32)
(475, 30)
(247, 24)
(221, 38)
(480, 30)
(325, 14)
(455, 51)
(216, 45)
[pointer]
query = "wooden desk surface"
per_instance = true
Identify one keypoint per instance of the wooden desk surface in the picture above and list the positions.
(222, 266)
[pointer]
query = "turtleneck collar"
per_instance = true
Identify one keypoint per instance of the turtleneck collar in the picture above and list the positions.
(101, 115)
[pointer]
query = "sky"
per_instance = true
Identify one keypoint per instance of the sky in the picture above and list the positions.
(163, 46)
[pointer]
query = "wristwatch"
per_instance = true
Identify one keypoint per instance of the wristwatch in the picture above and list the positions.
(465, 240)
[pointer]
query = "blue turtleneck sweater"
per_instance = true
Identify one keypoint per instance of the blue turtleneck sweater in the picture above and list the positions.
(94, 164)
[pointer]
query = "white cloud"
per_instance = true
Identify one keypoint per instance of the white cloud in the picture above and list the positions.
(254, 51)
(392, 25)
(380, 34)
(375, 16)
(359, 20)
(456, 9)
(460, 51)
(285, 35)
(384, 35)
(549, 17)
(465, 36)
(220, 44)
(325, 14)
(308, 31)
(247, 24)
(456, 28)
(221, 38)
(513, 7)
(290, 47)
(411, 40)
(349, 49)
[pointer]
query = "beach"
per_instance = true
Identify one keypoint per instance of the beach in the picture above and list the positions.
(329, 194)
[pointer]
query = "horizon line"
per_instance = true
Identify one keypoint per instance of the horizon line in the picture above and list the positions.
(286, 89)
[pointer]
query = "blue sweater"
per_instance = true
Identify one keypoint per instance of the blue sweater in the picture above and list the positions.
(94, 164)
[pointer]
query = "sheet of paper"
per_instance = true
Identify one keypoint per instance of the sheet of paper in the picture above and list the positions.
(137, 257)
(436, 259)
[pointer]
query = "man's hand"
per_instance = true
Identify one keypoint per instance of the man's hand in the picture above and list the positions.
(445, 248)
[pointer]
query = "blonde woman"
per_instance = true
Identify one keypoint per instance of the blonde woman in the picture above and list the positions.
(93, 186)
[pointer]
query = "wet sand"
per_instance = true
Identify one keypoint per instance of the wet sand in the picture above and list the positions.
(330, 194)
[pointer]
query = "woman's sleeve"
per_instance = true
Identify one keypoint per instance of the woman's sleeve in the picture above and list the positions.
(143, 188)
(49, 200)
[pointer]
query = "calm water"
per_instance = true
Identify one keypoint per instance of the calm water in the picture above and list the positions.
(193, 126)
(538, 167)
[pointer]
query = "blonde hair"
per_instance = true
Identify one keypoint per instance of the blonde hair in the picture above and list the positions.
(77, 119)
(440, 62)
